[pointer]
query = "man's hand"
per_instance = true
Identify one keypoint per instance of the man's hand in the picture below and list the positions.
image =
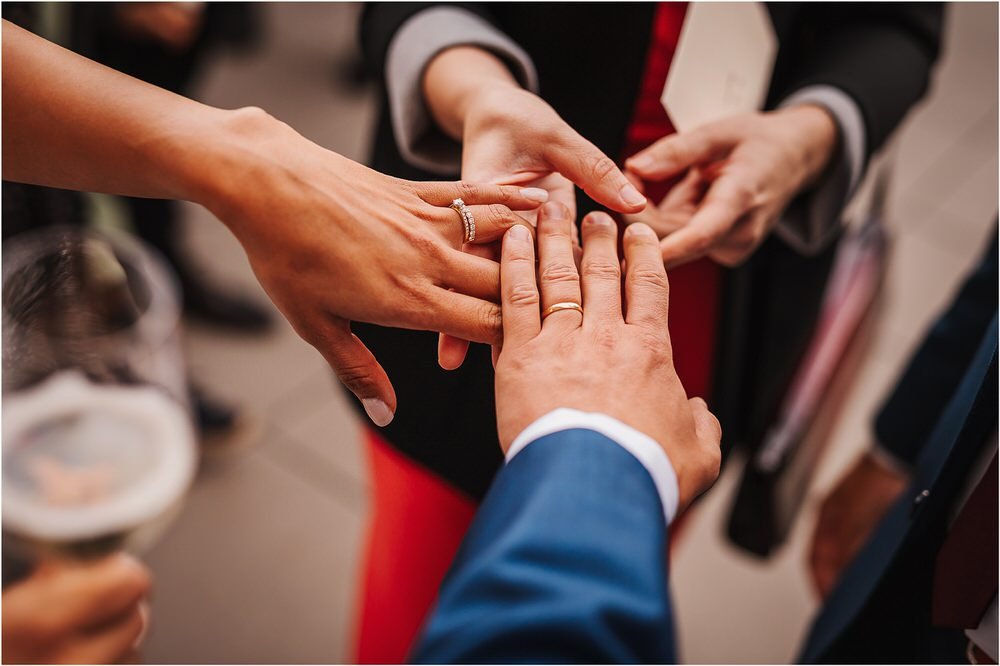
(511, 136)
(739, 173)
(615, 358)
(848, 516)
(332, 241)
(76, 612)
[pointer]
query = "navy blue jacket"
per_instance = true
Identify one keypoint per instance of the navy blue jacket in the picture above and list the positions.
(565, 562)
(938, 419)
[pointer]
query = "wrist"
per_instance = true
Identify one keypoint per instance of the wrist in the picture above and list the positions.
(818, 137)
(237, 160)
(457, 80)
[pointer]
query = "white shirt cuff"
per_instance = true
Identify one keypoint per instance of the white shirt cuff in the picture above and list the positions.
(643, 447)
(416, 43)
(814, 218)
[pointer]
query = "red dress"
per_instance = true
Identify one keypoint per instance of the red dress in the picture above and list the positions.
(418, 521)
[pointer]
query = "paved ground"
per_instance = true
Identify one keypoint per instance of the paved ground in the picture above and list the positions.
(261, 565)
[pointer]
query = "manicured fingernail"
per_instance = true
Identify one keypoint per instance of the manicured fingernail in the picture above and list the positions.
(377, 411)
(535, 194)
(555, 209)
(144, 614)
(641, 161)
(519, 233)
(631, 196)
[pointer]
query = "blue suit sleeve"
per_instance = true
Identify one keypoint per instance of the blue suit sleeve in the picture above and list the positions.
(565, 562)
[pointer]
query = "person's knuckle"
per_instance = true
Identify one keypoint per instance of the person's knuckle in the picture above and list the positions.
(606, 337)
(491, 320)
(46, 626)
(601, 269)
(523, 294)
(427, 213)
(558, 272)
(356, 377)
(501, 215)
(504, 195)
(654, 345)
(746, 192)
(428, 246)
(603, 168)
(650, 278)
(467, 191)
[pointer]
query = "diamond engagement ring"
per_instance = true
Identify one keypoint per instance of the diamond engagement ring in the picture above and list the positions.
(468, 222)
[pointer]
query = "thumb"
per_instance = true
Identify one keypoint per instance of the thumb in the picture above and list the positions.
(451, 351)
(358, 370)
(594, 172)
(677, 153)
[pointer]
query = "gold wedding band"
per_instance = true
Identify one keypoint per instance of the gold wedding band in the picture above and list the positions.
(567, 305)
(468, 222)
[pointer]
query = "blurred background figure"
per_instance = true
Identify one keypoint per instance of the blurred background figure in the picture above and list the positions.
(166, 44)
(164, 41)
(902, 581)
(77, 613)
(98, 445)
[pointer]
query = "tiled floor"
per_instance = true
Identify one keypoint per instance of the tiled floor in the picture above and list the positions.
(261, 566)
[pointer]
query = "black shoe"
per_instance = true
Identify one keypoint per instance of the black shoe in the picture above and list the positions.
(208, 303)
(221, 428)
(211, 416)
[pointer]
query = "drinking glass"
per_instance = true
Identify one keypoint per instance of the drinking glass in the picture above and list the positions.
(98, 444)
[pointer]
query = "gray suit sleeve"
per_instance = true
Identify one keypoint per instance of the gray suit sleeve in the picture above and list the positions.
(422, 37)
(813, 218)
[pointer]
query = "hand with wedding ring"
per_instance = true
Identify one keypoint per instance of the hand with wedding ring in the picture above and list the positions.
(333, 241)
(574, 339)
(330, 240)
(512, 136)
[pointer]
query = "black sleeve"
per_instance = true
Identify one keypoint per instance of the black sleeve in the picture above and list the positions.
(880, 54)
(936, 369)
(381, 20)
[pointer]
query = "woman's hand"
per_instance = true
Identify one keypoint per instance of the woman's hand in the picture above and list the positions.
(511, 136)
(614, 358)
(332, 241)
(76, 613)
(739, 176)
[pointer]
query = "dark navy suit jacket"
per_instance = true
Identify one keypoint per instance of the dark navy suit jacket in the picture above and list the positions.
(938, 420)
(565, 562)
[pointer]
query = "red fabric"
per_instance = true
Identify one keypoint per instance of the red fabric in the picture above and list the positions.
(417, 524)
(417, 520)
(695, 287)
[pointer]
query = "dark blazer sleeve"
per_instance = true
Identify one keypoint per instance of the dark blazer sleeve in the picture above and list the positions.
(381, 20)
(930, 380)
(565, 562)
(880, 54)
